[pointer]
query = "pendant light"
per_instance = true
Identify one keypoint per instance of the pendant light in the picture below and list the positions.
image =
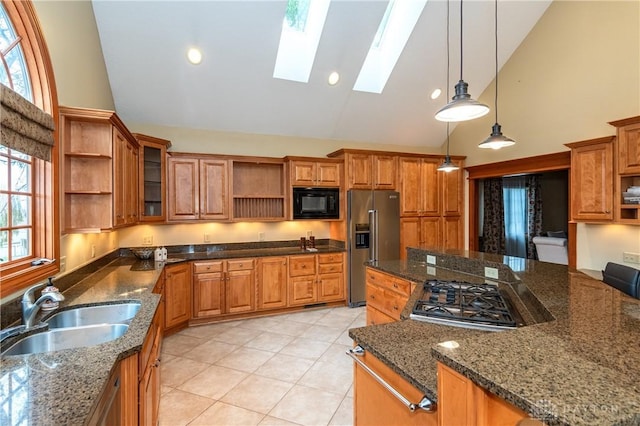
(447, 166)
(462, 107)
(496, 140)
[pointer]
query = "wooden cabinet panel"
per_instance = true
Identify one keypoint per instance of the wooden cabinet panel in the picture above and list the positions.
(177, 290)
(375, 405)
(316, 278)
(629, 148)
(453, 232)
(431, 234)
(375, 316)
(152, 177)
(384, 171)
(386, 293)
(410, 186)
(272, 282)
(302, 265)
(208, 294)
(149, 369)
(460, 401)
(430, 187)
(359, 171)
(240, 291)
(302, 290)
(452, 191)
(214, 200)
(409, 234)
(184, 188)
(592, 180)
(223, 287)
(315, 173)
(328, 174)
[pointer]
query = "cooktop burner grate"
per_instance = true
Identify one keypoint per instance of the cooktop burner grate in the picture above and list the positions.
(464, 304)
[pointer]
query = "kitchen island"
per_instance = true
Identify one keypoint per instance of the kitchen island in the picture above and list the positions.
(575, 362)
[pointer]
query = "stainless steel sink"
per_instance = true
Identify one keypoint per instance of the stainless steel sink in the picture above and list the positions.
(90, 315)
(66, 338)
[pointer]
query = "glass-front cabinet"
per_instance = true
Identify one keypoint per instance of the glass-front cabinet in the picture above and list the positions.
(153, 179)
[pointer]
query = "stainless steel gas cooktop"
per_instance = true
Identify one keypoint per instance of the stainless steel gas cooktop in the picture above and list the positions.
(463, 304)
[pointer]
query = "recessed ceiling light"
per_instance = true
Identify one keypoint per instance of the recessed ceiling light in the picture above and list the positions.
(436, 94)
(194, 55)
(334, 77)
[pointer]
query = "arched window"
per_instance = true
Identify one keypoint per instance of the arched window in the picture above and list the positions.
(29, 228)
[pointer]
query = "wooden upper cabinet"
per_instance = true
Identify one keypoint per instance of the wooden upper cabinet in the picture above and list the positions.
(453, 190)
(359, 171)
(198, 188)
(99, 171)
(385, 169)
(214, 186)
(315, 173)
(152, 176)
(592, 179)
(628, 145)
(184, 188)
(419, 186)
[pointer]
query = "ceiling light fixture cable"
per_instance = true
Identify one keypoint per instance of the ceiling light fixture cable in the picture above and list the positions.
(496, 139)
(462, 107)
(447, 166)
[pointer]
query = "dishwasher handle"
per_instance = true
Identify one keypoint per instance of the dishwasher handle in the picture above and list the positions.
(425, 403)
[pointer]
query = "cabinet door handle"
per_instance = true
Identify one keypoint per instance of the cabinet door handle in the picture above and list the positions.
(395, 285)
(425, 403)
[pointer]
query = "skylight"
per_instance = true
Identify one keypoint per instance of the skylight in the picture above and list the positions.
(301, 30)
(395, 28)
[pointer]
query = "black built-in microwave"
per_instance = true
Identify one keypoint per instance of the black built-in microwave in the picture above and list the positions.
(316, 203)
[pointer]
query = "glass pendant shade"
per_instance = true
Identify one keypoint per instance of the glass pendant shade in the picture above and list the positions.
(461, 107)
(447, 165)
(496, 140)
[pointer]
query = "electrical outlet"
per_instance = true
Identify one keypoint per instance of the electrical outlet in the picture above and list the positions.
(629, 257)
(93, 251)
(431, 259)
(63, 263)
(431, 270)
(207, 238)
(491, 272)
(260, 236)
(147, 241)
(309, 234)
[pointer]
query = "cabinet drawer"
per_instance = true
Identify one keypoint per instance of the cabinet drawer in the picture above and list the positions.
(302, 265)
(375, 316)
(390, 282)
(330, 258)
(387, 302)
(329, 268)
(205, 267)
(240, 264)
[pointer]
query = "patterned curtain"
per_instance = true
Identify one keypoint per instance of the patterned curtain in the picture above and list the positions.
(493, 232)
(534, 214)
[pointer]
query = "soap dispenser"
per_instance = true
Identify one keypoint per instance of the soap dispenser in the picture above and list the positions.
(48, 305)
(157, 255)
(164, 253)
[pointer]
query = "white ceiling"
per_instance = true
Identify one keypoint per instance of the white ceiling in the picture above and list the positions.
(145, 42)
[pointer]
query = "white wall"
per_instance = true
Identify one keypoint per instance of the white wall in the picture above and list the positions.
(599, 244)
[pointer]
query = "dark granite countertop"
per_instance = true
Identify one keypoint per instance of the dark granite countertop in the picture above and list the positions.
(61, 387)
(576, 362)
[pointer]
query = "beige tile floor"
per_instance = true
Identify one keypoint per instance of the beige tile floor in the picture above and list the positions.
(288, 369)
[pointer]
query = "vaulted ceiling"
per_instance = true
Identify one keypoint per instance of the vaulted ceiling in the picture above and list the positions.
(144, 45)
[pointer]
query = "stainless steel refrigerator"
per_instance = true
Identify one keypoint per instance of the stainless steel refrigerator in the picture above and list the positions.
(373, 233)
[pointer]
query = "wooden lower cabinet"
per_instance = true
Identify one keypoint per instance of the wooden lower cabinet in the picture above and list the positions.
(375, 405)
(149, 371)
(387, 296)
(316, 278)
(420, 231)
(272, 282)
(462, 402)
(118, 404)
(223, 287)
(177, 296)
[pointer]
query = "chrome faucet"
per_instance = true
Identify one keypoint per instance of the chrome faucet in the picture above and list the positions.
(31, 308)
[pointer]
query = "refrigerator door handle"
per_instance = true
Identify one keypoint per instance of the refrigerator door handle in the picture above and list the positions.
(373, 230)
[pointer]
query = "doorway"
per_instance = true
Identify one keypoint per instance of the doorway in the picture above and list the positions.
(552, 171)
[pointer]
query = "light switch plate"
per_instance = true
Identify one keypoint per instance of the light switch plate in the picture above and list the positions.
(147, 240)
(431, 259)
